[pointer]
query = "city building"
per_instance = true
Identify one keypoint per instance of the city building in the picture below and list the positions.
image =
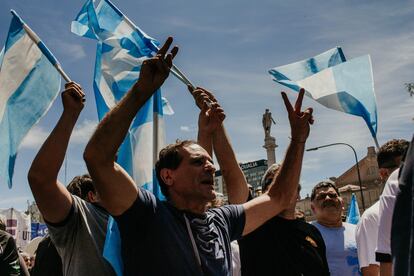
(253, 172)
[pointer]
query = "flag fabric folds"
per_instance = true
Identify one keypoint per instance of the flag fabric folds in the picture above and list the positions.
(334, 82)
(289, 74)
(29, 83)
(121, 49)
(353, 211)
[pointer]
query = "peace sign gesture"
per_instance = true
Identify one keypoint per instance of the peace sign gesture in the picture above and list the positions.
(155, 70)
(300, 121)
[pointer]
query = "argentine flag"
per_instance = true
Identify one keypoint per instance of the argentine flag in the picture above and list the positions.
(29, 82)
(121, 49)
(346, 86)
(353, 211)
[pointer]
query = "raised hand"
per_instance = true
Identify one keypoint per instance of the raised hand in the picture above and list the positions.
(73, 98)
(210, 118)
(155, 70)
(300, 121)
(202, 97)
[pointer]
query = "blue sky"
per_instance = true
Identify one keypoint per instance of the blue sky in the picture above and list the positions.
(228, 46)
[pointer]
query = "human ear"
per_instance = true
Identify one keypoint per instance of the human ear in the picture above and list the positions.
(91, 196)
(167, 176)
(313, 207)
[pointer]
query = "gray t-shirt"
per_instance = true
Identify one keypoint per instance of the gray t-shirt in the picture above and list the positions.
(155, 239)
(80, 238)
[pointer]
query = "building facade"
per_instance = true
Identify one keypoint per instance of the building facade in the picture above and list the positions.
(253, 171)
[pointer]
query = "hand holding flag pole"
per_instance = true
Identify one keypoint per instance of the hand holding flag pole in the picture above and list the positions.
(43, 48)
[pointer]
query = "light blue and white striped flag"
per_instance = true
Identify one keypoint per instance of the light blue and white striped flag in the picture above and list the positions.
(346, 86)
(353, 211)
(29, 82)
(120, 52)
(121, 49)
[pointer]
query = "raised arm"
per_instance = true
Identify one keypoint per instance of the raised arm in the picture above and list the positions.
(52, 198)
(234, 178)
(205, 129)
(208, 121)
(283, 190)
(115, 187)
(236, 184)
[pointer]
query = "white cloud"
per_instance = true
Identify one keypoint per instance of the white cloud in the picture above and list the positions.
(37, 135)
(73, 51)
(34, 138)
(83, 132)
(187, 129)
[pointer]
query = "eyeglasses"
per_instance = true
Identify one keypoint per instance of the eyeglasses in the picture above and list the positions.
(321, 196)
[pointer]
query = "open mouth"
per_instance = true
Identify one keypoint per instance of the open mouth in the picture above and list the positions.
(208, 181)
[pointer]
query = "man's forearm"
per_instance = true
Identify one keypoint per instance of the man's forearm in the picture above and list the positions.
(48, 161)
(280, 195)
(205, 140)
(112, 130)
(370, 270)
(234, 178)
(52, 198)
(287, 180)
(386, 269)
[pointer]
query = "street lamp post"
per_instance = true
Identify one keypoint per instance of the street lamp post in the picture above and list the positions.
(356, 162)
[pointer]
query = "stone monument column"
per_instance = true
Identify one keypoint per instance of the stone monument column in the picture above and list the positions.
(270, 142)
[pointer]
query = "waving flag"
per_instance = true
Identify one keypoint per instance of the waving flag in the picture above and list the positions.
(289, 74)
(346, 86)
(121, 49)
(353, 211)
(29, 82)
(120, 52)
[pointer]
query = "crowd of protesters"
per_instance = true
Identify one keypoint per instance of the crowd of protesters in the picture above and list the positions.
(186, 234)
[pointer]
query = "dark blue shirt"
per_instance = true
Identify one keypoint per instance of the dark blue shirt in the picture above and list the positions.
(155, 239)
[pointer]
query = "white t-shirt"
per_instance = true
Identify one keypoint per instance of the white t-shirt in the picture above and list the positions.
(366, 236)
(386, 209)
(235, 258)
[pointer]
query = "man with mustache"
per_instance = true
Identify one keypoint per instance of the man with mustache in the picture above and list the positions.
(339, 237)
